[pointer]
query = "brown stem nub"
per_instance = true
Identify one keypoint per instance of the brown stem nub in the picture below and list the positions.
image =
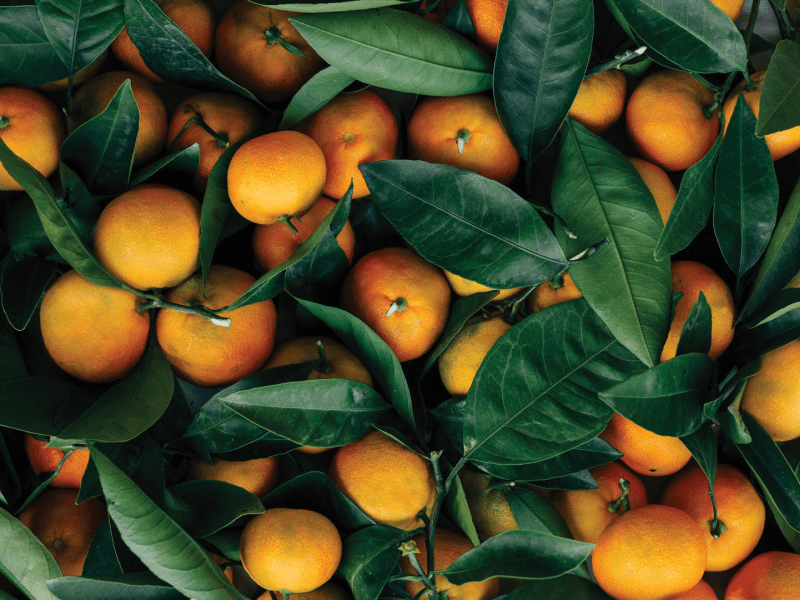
(398, 305)
(324, 365)
(625, 488)
(4, 122)
(462, 138)
(59, 544)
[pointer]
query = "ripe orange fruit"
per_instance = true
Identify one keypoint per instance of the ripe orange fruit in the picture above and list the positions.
(258, 476)
(232, 117)
(32, 127)
(465, 132)
(739, 508)
(149, 237)
(465, 287)
(645, 452)
(65, 528)
(248, 52)
(195, 18)
(772, 396)
(86, 73)
(666, 121)
(93, 332)
(448, 545)
(659, 184)
(351, 129)
(732, 8)
(650, 553)
(459, 362)
(600, 101)
(769, 576)
(388, 481)
(93, 98)
(548, 294)
(274, 243)
(46, 460)
(275, 176)
(487, 16)
(290, 549)
(340, 362)
(490, 510)
(780, 143)
(702, 591)
(401, 296)
(589, 512)
(211, 355)
(327, 591)
(691, 278)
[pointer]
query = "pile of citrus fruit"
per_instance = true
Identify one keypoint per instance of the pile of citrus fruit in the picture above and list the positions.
(399, 299)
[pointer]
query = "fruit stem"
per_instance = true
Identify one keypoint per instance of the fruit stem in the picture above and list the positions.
(717, 526)
(616, 62)
(285, 594)
(438, 496)
(625, 488)
(516, 305)
(4, 122)
(273, 35)
(324, 365)
(751, 25)
(288, 220)
(430, 586)
(397, 306)
(221, 138)
(562, 222)
(198, 309)
(462, 138)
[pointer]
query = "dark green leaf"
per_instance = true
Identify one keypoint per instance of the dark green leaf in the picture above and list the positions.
(10, 485)
(582, 480)
(731, 420)
(29, 58)
(567, 586)
(784, 301)
(175, 420)
(702, 443)
(457, 508)
(751, 343)
(696, 332)
(599, 194)
(127, 457)
(202, 507)
(518, 553)
(26, 561)
(458, 19)
(318, 6)
(12, 366)
(745, 192)
(466, 218)
(149, 473)
(182, 163)
(128, 586)
(368, 558)
(526, 405)
(101, 560)
(397, 50)
(31, 404)
(534, 513)
(791, 535)
(22, 284)
(779, 107)
(315, 93)
(541, 59)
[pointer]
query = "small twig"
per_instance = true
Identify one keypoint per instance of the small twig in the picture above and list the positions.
(616, 62)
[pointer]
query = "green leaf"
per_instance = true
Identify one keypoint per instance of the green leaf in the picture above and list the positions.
(791, 535)
(782, 302)
(127, 586)
(534, 513)
(127, 456)
(696, 332)
(28, 57)
(457, 508)
(695, 198)
(24, 560)
(702, 443)
(369, 557)
(397, 50)
(321, 6)
(167, 550)
(581, 480)
(203, 507)
(526, 405)
(541, 59)
(467, 218)
(101, 560)
(101, 149)
(750, 343)
(12, 366)
(182, 163)
(22, 284)
(696, 36)
(745, 192)
(518, 553)
(10, 485)
(458, 19)
(567, 586)
(315, 93)
(43, 396)
(779, 107)
(599, 194)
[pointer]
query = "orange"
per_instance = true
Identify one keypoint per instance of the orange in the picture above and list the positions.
(491, 513)
(645, 452)
(274, 243)
(551, 292)
(232, 118)
(327, 591)
(401, 296)
(465, 287)
(659, 184)
(65, 528)
(780, 143)
(194, 17)
(448, 545)
(487, 17)
(93, 332)
(691, 278)
(351, 129)
(46, 460)
(388, 481)
(248, 52)
(465, 132)
(702, 591)
(93, 98)
(149, 237)
(650, 553)
(666, 121)
(258, 476)
(600, 101)
(732, 8)
(460, 361)
(290, 549)
(589, 512)
(739, 508)
(769, 576)
(33, 128)
(86, 73)
(211, 355)
(275, 176)
(772, 396)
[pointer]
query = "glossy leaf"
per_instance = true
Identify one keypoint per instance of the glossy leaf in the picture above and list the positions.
(202, 507)
(696, 332)
(467, 218)
(22, 284)
(541, 59)
(181, 163)
(750, 343)
(29, 58)
(315, 93)
(128, 586)
(24, 559)
(525, 405)
(397, 50)
(369, 556)
(702, 443)
(779, 107)
(318, 6)
(457, 507)
(44, 397)
(781, 303)
(458, 19)
(101, 560)
(12, 367)
(532, 512)
(599, 194)
(582, 480)
(566, 586)
(745, 192)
